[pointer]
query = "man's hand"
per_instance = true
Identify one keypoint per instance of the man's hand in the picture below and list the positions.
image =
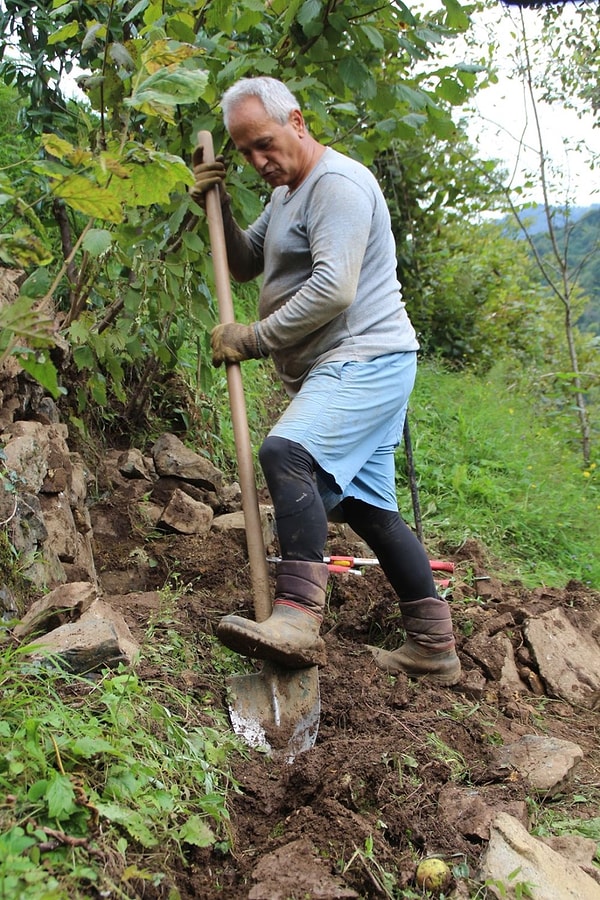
(207, 175)
(234, 342)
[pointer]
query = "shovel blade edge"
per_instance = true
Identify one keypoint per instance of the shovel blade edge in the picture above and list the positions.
(276, 710)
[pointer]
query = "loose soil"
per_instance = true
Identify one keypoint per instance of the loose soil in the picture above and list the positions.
(353, 816)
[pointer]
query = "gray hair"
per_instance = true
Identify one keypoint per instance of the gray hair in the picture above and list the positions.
(277, 99)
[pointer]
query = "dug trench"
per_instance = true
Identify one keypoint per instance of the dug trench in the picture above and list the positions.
(401, 769)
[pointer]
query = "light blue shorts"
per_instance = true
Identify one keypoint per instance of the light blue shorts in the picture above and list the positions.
(350, 416)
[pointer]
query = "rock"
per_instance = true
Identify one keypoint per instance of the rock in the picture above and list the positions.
(8, 604)
(547, 763)
(59, 466)
(235, 523)
(164, 487)
(469, 812)
(185, 515)
(62, 604)
(172, 457)
(567, 654)
(473, 684)
(578, 849)
(28, 528)
(100, 638)
(60, 524)
(491, 648)
(78, 487)
(28, 448)
(510, 679)
(297, 870)
(515, 861)
(133, 465)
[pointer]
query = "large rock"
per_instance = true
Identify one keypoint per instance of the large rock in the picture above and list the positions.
(100, 638)
(468, 810)
(172, 457)
(568, 654)
(185, 515)
(63, 604)
(515, 862)
(546, 762)
(235, 523)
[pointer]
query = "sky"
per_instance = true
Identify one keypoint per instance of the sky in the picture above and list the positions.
(500, 117)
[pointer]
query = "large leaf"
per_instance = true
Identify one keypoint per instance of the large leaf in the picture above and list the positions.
(150, 179)
(86, 197)
(162, 91)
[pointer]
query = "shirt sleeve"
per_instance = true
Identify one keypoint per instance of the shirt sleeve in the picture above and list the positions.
(245, 248)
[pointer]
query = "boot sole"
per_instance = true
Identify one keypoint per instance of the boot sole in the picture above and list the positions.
(255, 647)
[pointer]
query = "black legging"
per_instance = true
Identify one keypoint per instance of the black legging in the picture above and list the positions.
(302, 521)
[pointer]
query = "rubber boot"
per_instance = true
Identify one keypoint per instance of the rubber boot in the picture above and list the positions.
(290, 636)
(429, 650)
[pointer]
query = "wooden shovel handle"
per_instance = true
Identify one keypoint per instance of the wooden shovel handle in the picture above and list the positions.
(241, 432)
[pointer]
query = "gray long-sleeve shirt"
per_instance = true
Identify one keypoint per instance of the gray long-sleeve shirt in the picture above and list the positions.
(328, 258)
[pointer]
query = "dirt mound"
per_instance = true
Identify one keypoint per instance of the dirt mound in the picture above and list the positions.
(382, 787)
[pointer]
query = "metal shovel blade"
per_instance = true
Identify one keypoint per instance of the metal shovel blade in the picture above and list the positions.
(276, 709)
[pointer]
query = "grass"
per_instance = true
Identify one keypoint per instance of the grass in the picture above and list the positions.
(106, 781)
(493, 465)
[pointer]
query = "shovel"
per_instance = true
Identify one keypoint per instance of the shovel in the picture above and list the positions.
(276, 709)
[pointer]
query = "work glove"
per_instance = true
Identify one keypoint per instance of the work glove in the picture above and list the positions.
(234, 342)
(207, 175)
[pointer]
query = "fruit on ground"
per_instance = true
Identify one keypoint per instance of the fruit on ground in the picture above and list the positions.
(433, 875)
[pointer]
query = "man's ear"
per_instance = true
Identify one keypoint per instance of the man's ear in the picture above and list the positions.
(296, 120)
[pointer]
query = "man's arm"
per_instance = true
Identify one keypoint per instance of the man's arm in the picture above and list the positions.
(242, 257)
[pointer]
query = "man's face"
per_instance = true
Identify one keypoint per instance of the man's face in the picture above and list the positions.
(276, 151)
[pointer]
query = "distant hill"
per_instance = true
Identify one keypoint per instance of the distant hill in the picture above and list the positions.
(584, 246)
(535, 217)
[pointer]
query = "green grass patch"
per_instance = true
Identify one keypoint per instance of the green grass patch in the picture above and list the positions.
(493, 465)
(105, 781)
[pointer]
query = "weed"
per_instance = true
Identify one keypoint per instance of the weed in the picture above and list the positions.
(452, 758)
(517, 889)
(384, 881)
(121, 758)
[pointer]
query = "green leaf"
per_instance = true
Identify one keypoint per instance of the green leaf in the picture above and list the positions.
(309, 11)
(415, 98)
(97, 241)
(64, 33)
(37, 284)
(166, 89)
(23, 248)
(43, 370)
(87, 747)
(152, 181)
(451, 91)
(60, 797)
(121, 56)
(195, 831)
(355, 75)
(130, 820)
(456, 17)
(26, 323)
(14, 842)
(82, 195)
(374, 36)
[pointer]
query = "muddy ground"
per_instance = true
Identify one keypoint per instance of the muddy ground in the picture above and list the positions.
(353, 816)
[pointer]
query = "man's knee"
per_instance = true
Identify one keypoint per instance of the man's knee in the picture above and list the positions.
(280, 456)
